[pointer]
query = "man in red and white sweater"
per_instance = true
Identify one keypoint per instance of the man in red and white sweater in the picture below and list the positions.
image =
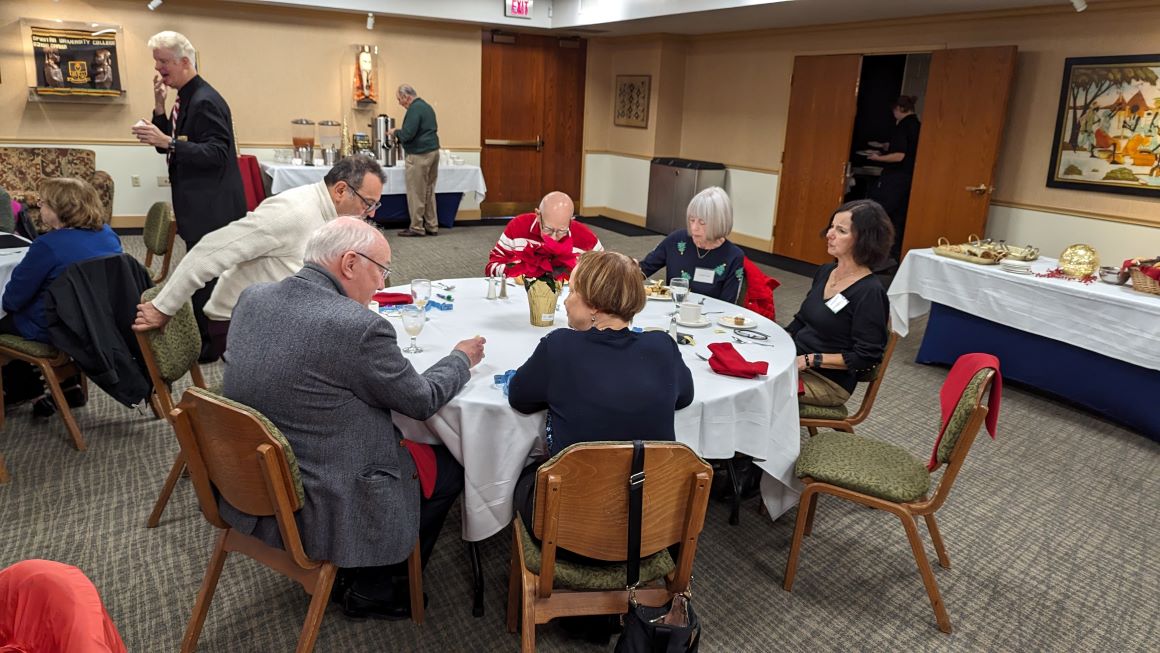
(553, 219)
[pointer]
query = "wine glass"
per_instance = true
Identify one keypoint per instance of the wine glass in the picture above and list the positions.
(421, 292)
(413, 320)
(679, 289)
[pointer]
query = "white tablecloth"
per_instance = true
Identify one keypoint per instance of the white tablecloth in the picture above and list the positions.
(452, 178)
(1114, 321)
(758, 417)
(9, 258)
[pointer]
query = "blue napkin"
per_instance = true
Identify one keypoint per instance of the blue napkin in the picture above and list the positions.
(502, 380)
(433, 305)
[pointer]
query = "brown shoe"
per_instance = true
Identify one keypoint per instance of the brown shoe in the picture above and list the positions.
(432, 232)
(407, 233)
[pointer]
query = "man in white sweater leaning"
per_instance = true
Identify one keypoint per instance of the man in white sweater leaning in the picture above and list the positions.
(265, 245)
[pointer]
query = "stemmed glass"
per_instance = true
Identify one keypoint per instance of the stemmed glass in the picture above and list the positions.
(421, 292)
(413, 320)
(679, 289)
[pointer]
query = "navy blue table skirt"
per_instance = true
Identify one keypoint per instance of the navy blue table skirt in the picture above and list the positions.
(394, 209)
(1123, 392)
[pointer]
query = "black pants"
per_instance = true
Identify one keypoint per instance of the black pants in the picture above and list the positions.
(377, 582)
(199, 300)
(22, 380)
(893, 192)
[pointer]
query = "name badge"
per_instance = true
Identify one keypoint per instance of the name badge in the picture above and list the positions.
(183, 138)
(703, 275)
(837, 303)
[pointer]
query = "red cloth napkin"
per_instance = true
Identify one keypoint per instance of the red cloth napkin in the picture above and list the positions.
(960, 375)
(424, 458)
(385, 298)
(725, 360)
(251, 180)
(759, 290)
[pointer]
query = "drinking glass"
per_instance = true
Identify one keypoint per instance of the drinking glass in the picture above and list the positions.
(421, 292)
(679, 289)
(413, 320)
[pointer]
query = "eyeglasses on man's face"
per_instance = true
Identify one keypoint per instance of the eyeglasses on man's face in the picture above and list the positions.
(551, 231)
(371, 207)
(385, 268)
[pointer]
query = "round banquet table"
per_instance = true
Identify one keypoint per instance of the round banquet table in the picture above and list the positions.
(494, 442)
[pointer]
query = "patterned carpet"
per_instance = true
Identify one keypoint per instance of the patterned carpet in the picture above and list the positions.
(1051, 530)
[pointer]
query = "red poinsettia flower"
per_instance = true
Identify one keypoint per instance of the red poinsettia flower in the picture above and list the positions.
(550, 261)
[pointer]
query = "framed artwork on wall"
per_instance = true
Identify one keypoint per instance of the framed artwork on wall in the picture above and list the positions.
(72, 62)
(1107, 126)
(632, 96)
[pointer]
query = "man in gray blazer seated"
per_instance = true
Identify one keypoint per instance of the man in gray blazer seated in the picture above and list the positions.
(307, 354)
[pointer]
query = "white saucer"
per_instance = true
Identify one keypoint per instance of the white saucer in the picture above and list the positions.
(727, 321)
(704, 322)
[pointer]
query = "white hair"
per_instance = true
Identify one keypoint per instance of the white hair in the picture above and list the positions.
(713, 206)
(337, 237)
(408, 90)
(176, 43)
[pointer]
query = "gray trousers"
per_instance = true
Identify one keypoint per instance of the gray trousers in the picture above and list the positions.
(422, 171)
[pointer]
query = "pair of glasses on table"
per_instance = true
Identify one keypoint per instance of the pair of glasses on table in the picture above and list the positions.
(751, 334)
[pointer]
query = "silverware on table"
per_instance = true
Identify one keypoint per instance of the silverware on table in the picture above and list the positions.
(751, 342)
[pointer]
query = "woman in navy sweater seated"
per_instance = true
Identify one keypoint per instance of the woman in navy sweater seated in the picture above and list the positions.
(841, 328)
(714, 266)
(599, 380)
(72, 211)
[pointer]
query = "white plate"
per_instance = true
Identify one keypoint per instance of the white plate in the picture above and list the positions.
(727, 321)
(663, 298)
(703, 322)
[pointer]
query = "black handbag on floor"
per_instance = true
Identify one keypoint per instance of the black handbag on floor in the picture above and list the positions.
(670, 628)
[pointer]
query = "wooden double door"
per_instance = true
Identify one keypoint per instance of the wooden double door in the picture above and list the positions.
(532, 119)
(962, 127)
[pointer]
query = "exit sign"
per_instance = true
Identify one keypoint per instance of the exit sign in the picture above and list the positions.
(517, 8)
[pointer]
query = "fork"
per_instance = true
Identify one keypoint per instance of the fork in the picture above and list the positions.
(447, 287)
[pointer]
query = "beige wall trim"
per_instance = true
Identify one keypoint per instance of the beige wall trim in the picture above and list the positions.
(1095, 215)
(752, 242)
(127, 222)
(467, 215)
(731, 166)
(616, 214)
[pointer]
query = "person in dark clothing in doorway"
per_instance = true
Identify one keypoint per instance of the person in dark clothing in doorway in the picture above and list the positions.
(897, 160)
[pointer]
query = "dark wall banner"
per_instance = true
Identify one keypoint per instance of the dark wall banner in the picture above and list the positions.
(74, 62)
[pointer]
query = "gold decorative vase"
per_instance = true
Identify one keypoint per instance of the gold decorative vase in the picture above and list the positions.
(1079, 261)
(542, 303)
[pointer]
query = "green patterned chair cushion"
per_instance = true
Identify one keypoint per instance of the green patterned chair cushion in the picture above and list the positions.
(960, 416)
(158, 223)
(30, 347)
(574, 576)
(864, 465)
(806, 411)
(177, 346)
(291, 459)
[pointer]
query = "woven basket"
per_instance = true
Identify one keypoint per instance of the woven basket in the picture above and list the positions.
(1144, 283)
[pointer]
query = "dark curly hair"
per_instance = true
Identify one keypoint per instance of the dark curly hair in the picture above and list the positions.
(873, 232)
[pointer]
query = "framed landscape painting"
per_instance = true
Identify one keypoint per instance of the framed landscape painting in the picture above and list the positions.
(1107, 128)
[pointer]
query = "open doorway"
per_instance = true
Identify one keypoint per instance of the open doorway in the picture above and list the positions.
(890, 88)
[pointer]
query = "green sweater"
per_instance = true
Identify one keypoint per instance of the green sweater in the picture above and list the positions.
(419, 133)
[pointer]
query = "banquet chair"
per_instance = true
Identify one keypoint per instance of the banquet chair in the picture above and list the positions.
(159, 234)
(839, 418)
(55, 366)
(170, 354)
(880, 475)
(235, 452)
(582, 505)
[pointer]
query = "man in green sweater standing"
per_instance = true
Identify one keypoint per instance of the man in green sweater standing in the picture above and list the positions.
(419, 137)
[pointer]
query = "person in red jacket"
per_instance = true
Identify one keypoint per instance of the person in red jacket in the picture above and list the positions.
(553, 219)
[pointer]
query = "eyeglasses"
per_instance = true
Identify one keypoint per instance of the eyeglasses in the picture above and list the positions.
(371, 207)
(549, 231)
(386, 269)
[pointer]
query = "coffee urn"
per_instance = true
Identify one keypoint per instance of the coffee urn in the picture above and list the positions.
(385, 146)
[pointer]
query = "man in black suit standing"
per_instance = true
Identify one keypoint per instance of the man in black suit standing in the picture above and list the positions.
(197, 139)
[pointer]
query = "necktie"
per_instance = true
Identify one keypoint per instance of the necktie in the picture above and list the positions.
(173, 125)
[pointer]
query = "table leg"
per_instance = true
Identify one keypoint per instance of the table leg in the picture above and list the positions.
(735, 504)
(477, 579)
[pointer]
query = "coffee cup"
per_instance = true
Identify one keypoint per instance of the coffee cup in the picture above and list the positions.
(690, 313)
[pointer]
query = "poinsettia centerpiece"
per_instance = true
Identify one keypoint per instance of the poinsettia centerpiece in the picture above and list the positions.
(550, 262)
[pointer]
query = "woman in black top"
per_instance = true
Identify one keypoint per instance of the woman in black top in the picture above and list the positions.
(893, 188)
(841, 328)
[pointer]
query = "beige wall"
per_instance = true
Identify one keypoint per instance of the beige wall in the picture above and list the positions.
(736, 89)
(271, 65)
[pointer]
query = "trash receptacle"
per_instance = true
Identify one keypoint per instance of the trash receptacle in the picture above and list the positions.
(672, 183)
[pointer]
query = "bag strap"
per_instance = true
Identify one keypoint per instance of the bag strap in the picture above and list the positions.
(635, 504)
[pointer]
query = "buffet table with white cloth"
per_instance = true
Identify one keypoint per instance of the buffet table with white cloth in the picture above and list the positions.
(453, 182)
(9, 258)
(494, 442)
(1095, 344)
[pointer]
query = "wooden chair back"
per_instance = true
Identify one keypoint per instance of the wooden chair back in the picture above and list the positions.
(962, 435)
(171, 353)
(875, 382)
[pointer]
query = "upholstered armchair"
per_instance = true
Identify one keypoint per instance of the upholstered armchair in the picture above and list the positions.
(23, 168)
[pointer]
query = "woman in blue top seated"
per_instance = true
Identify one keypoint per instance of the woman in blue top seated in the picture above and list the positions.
(599, 380)
(72, 211)
(714, 266)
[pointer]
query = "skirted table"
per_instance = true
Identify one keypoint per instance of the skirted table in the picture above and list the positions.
(453, 182)
(1097, 345)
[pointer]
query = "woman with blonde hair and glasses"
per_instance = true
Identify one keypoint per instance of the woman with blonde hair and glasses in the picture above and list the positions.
(77, 231)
